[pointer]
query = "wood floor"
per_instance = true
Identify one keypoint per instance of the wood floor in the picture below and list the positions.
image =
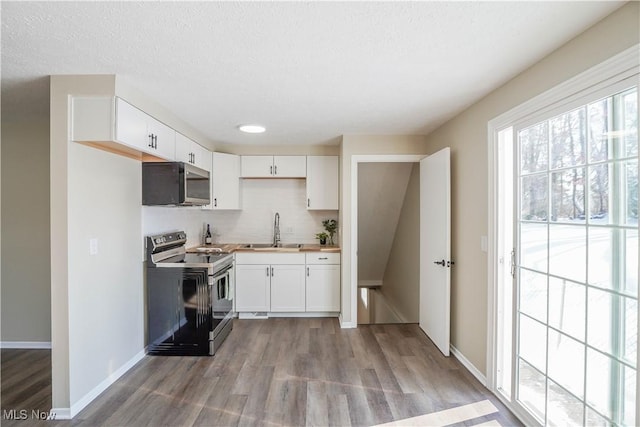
(273, 372)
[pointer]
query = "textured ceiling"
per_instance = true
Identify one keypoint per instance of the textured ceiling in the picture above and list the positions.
(307, 71)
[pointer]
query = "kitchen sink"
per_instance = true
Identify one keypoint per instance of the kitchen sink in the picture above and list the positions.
(290, 245)
(271, 245)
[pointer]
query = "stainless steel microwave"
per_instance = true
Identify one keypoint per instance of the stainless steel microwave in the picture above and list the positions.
(174, 184)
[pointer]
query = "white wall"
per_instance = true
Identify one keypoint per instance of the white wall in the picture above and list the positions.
(381, 190)
(466, 134)
(106, 298)
(261, 199)
(26, 273)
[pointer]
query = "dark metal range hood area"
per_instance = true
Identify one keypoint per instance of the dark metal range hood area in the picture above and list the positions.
(174, 184)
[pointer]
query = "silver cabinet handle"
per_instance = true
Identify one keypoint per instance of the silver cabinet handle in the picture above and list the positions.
(275, 170)
(270, 170)
(308, 203)
(151, 140)
(267, 271)
(215, 203)
(307, 271)
(271, 271)
(323, 257)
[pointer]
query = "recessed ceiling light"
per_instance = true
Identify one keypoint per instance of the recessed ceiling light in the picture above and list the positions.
(252, 128)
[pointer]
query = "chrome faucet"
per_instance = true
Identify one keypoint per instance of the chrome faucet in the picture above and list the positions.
(276, 230)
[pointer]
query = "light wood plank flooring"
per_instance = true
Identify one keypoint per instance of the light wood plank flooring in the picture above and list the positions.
(274, 372)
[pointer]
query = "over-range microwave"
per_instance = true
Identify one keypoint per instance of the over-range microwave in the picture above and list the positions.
(174, 184)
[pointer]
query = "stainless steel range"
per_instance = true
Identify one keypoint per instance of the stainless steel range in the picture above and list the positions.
(189, 297)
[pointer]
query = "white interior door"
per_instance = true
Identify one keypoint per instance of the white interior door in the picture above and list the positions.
(435, 248)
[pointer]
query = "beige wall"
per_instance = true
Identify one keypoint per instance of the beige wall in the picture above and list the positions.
(401, 282)
(354, 145)
(381, 188)
(466, 134)
(26, 274)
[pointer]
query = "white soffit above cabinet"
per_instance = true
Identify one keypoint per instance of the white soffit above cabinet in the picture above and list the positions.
(308, 71)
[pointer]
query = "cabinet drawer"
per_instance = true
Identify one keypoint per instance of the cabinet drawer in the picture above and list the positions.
(322, 258)
(269, 258)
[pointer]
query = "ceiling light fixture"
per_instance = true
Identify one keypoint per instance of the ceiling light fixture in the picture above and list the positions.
(251, 128)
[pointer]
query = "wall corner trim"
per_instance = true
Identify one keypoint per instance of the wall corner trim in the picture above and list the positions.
(25, 344)
(468, 365)
(97, 390)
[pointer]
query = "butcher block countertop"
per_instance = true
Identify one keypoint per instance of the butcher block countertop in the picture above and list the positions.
(241, 247)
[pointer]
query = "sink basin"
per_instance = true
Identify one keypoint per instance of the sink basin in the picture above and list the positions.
(272, 246)
(290, 245)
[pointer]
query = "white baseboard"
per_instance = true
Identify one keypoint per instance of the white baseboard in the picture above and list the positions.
(61, 413)
(346, 325)
(95, 392)
(468, 365)
(26, 344)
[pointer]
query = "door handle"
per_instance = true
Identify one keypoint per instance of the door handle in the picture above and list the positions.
(442, 263)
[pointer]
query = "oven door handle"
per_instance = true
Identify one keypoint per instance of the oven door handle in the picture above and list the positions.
(220, 276)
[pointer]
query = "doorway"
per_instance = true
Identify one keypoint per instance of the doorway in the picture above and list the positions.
(567, 279)
(434, 261)
(388, 246)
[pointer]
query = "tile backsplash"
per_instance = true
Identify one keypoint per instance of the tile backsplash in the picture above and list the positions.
(261, 199)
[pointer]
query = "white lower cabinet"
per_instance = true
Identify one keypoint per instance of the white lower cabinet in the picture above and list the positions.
(323, 281)
(267, 281)
(253, 288)
(323, 288)
(287, 282)
(287, 288)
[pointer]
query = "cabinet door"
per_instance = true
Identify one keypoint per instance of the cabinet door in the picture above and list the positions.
(323, 288)
(183, 148)
(322, 182)
(289, 166)
(165, 139)
(131, 127)
(191, 152)
(288, 288)
(225, 181)
(257, 166)
(201, 157)
(253, 290)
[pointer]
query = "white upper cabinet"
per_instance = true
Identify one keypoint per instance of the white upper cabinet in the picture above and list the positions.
(191, 152)
(115, 125)
(289, 166)
(164, 138)
(130, 126)
(225, 182)
(322, 182)
(274, 167)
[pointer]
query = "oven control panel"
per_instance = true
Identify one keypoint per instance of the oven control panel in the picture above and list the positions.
(166, 240)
